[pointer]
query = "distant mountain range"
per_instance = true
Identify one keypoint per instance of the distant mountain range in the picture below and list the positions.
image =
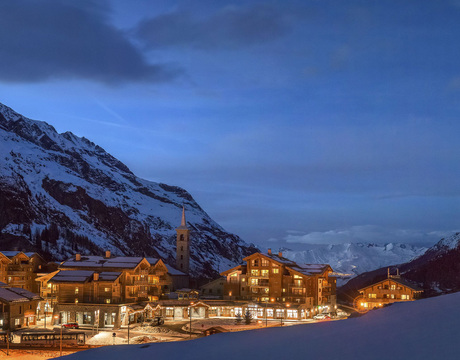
(437, 271)
(61, 194)
(355, 258)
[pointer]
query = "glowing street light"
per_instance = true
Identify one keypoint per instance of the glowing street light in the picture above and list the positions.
(190, 315)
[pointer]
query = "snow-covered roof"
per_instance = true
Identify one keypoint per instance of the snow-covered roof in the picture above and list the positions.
(17, 295)
(64, 276)
(109, 276)
(174, 271)
(125, 262)
(13, 253)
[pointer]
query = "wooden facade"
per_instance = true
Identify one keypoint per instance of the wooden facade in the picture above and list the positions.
(19, 269)
(17, 307)
(393, 289)
(274, 279)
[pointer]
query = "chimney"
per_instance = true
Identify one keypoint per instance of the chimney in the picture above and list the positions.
(77, 257)
(107, 254)
(96, 276)
(280, 254)
(269, 251)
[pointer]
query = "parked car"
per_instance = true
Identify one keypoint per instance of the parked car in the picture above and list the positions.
(157, 320)
(72, 325)
(321, 317)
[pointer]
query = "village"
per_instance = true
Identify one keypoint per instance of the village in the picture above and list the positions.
(89, 300)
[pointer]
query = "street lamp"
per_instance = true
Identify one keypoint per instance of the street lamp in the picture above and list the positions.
(128, 327)
(190, 315)
(60, 339)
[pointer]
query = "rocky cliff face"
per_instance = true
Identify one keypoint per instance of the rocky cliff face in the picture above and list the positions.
(60, 193)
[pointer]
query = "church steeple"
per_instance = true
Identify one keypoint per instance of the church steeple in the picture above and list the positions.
(183, 245)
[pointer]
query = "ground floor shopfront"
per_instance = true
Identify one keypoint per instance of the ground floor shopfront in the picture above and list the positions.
(117, 315)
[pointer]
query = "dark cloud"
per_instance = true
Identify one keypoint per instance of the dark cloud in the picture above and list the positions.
(42, 40)
(230, 27)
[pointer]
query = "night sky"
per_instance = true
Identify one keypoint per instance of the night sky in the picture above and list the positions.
(288, 121)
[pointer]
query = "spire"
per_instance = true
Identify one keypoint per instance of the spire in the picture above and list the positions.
(183, 223)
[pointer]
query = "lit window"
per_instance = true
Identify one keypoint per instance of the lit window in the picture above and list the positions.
(264, 272)
(255, 262)
(106, 289)
(276, 271)
(107, 301)
(254, 281)
(372, 296)
(284, 290)
(76, 290)
(255, 272)
(393, 287)
(265, 262)
(76, 301)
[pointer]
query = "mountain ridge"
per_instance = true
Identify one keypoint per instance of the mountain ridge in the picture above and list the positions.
(50, 178)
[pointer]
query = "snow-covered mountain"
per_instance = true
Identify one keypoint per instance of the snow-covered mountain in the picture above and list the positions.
(355, 258)
(60, 193)
(436, 271)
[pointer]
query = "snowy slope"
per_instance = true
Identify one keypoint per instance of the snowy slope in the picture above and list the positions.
(424, 330)
(49, 178)
(356, 258)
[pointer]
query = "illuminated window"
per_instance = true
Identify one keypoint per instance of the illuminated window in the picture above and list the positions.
(284, 290)
(107, 301)
(265, 262)
(264, 272)
(365, 305)
(254, 281)
(255, 272)
(266, 290)
(393, 287)
(297, 277)
(106, 289)
(276, 271)
(76, 301)
(372, 296)
(404, 297)
(392, 296)
(76, 290)
(255, 262)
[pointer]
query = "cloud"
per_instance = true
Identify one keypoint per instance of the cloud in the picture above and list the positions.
(366, 234)
(44, 40)
(230, 27)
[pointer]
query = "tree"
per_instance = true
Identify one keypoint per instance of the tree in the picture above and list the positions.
(247, 317)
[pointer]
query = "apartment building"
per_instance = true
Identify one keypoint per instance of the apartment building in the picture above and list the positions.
(390, 290)
(272, 278)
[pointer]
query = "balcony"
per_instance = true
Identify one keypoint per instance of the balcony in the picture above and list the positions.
(140, 282)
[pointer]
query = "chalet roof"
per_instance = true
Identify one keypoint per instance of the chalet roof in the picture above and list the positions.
(174, 271)
(123, 262)
(13, 295)
(399, 280)
(109, 276)
(242, 268)
(305, 269)
(72, 276)
(25, 293)
(13, 253)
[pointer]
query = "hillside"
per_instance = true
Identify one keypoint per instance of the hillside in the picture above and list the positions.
(437, 271)
(61, 194)
(424, 329)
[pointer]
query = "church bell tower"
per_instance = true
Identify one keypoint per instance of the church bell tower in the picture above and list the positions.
(183, 245)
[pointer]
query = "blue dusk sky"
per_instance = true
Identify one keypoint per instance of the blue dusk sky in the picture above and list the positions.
(290, 122)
